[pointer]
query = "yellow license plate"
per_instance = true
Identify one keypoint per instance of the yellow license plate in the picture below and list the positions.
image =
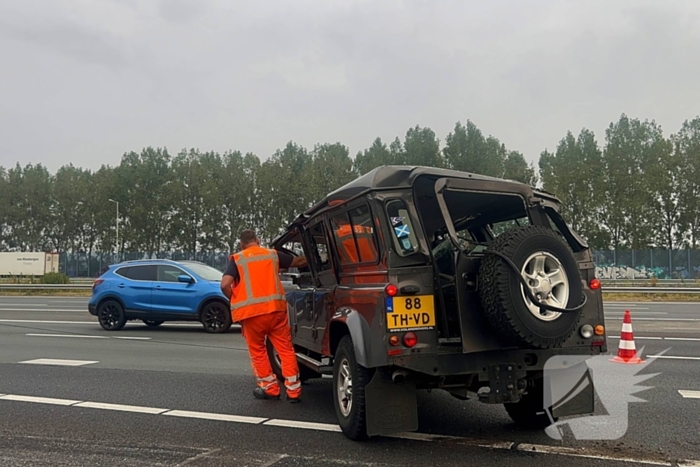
(411, 313)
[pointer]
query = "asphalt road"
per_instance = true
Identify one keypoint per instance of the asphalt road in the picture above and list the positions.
(183, 397)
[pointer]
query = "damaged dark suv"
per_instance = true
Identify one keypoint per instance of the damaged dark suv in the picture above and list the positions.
(423, 278)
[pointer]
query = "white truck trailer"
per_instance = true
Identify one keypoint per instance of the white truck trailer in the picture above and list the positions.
(28, 264)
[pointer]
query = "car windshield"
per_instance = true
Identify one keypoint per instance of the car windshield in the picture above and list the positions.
(207, 273)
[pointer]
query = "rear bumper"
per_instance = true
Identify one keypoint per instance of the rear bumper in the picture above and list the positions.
(458, 363)
(92, 309)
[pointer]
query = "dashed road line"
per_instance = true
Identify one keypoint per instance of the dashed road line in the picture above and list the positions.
(573, 452)
(54, 361)
(85, 336)
(303, 425)
(294, 424)
(68, 335)
(672, 357)
(38, 400)
(215, 416)
(688, 394)
(121, 408)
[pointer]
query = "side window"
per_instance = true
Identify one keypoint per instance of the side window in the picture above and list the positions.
(320, 246)
(167, 273)
(361, 220)
(140, 273)
(402, 228)
(344, 239)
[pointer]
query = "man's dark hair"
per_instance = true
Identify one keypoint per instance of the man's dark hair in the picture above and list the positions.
(248, 237)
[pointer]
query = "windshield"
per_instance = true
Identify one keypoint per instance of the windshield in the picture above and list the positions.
(207, 273)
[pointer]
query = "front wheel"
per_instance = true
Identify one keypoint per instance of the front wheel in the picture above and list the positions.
(349, 382)
(305, 373)
(216, 318)
(111, 315)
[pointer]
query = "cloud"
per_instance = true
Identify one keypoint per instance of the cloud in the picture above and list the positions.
(88, 81)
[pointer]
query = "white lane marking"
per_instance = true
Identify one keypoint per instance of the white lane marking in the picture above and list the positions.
(52, 361)
(38, 321)
(639, 338)
(62, 310)
(67, 335)
(688, 463)
(303, 425)
(643, 313)
(121, 408)
(671, 357)
(682, 338)
(215, 416)
(561, 450)
(688, 394)
(536, 448)
(38, 400)
(134, 338)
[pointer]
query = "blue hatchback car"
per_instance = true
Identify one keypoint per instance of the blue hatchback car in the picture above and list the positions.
(155, 291)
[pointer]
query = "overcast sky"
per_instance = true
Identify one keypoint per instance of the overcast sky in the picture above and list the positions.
(83, 82)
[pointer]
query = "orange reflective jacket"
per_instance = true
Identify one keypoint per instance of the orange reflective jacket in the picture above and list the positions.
(365, 243)
(259, 289)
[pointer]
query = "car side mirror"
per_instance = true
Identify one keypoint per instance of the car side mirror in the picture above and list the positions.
(185, 278)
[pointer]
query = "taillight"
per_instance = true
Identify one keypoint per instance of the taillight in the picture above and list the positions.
(410, 339)
(391, 290)
(594, 284)
(96, 283)
(394, 340)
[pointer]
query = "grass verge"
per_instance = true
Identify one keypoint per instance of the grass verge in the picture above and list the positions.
(650, 297)
(45, 293)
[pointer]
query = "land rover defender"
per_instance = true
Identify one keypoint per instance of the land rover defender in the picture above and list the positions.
(423, 278)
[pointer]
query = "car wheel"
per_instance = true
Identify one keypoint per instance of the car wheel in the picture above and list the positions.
(529, 411)
(305, 373)
(349, 382)
(216, 317)
(111, 315)
(548, 266)
(152, 323)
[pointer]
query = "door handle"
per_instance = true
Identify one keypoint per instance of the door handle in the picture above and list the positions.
(121, 286)
(159, 287)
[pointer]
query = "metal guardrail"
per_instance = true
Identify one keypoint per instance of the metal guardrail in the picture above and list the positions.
(606, 289)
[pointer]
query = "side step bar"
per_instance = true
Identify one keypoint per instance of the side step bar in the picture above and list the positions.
(318, 367)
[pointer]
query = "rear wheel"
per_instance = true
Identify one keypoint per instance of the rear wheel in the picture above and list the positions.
(529, 411)
(349, 382)
(111, 315)
(551, 272)
(216, 317)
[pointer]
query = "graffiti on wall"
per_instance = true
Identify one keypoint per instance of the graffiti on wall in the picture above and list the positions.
(642, 272)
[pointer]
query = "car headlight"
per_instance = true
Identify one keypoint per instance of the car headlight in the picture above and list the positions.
(586, 331)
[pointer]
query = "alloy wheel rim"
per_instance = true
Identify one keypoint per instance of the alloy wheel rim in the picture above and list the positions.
(548, 282)
(344, 387)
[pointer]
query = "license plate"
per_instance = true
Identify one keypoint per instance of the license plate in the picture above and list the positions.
(412, 313)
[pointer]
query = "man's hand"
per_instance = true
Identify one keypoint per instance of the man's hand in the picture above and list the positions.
(226, 283)
(298, 262)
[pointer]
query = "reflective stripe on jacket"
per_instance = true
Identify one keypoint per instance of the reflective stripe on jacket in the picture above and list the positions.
(259, 289)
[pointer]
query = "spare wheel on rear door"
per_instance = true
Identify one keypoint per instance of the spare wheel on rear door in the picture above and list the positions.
(548, 266)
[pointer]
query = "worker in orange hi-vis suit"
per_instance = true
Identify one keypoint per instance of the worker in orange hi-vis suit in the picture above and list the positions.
(258, 301)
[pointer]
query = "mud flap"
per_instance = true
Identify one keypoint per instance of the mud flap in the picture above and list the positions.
(391, 408)
(569, 390)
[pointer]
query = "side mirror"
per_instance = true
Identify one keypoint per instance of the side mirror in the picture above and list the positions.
(185, 278)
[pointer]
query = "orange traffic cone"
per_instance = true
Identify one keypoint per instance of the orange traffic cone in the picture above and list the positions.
(627, 352)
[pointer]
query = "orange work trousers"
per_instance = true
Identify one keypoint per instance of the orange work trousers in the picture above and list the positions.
(275, 327)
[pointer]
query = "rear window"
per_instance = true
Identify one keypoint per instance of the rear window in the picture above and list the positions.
(402, 228)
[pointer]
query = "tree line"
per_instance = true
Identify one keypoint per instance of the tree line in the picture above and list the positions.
(638, 189)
